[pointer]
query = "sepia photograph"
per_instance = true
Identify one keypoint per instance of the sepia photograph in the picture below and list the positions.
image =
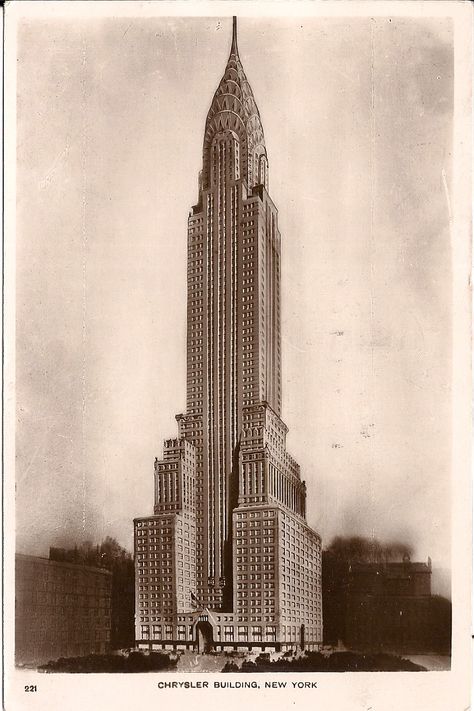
(237, 286)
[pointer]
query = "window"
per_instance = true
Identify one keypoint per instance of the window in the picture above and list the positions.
(270, 634)
(257, 634)
(181, 632)
(145, 632)
(228, 633)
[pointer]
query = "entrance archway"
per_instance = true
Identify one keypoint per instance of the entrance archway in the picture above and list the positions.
(204, 637)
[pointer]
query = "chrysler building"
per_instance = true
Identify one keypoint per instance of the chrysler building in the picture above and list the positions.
(227, 559)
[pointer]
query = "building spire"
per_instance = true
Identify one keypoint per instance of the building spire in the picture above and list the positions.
(233, 108)
(234, 49)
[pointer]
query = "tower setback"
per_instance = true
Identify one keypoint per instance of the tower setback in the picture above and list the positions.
(228, 560)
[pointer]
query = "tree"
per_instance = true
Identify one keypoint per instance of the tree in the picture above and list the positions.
(356, 549)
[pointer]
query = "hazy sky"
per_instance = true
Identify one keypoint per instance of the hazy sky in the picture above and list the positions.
(357, 115)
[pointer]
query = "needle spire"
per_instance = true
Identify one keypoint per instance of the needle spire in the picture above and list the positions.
(233, 49)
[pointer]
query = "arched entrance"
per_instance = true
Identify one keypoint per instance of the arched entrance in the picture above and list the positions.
(204, 637)
(302, 637)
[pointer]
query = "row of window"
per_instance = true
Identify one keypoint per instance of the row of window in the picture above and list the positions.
(256, 586)
(256, 550)
(155, 547)
(256, 632)
(259, 523)
(256, 576)
(256, 514)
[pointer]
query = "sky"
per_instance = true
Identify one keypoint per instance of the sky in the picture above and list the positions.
(357, 115)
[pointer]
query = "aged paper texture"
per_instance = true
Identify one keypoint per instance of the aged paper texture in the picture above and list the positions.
(258, 216)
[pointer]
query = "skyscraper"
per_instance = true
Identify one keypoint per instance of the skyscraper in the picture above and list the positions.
(227, 559)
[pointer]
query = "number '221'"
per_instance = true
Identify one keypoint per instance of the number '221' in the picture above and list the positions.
(31, 688)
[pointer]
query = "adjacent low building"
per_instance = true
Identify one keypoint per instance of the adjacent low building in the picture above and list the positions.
(61, 610)
(384, 607)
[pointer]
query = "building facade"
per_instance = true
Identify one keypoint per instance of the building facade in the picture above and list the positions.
(61, 610)
(227, 560)
(385, 607)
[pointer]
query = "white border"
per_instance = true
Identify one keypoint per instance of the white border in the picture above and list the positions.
(435, 691)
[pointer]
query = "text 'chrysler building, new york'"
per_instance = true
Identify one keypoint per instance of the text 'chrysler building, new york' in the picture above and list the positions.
(228, 560)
